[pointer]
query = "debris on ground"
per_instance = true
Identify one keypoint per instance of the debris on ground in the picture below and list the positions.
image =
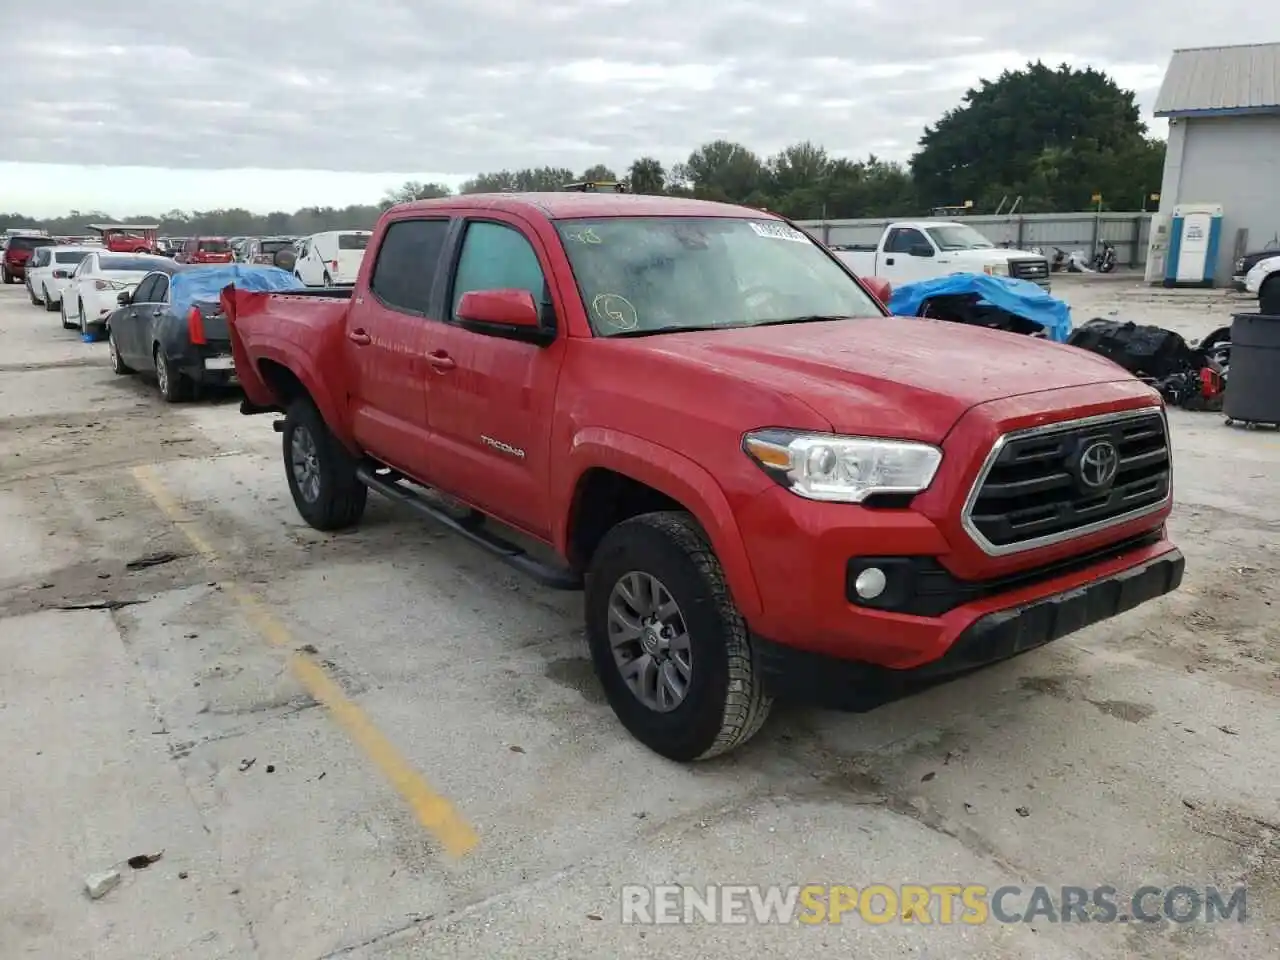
(1193, 378)
(246, 764)
(1023, 811)
(153, 560)
(144, 860)
(308, 648)
(98, 605)
(98, 885)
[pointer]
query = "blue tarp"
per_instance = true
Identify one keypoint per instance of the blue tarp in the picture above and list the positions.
(205, 283)
(1020, 297)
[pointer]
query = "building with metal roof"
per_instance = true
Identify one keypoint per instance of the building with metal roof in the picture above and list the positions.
(1223, 108)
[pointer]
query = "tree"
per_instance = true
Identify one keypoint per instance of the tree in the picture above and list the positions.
(647, 175)
(722, 170)
(598, 174)
(531, 179)
(412, 190)
(1045, 134)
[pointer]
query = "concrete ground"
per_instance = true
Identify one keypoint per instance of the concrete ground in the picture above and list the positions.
(306, 725)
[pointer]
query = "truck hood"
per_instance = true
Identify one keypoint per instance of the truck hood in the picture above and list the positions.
(989, 255)
(909, 378)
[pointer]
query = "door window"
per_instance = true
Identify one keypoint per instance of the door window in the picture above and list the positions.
(497, 257)
(146, 290)
(405, 272)
(903, 239)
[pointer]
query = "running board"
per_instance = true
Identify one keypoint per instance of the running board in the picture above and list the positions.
(557, 578)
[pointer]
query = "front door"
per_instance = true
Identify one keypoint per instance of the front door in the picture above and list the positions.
(386, 344)
(493, 398)
(902, 260)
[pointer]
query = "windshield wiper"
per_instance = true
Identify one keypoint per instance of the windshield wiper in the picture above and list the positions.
(745, 325)
(810, 318)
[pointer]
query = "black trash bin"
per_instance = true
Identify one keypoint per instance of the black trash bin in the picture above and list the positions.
(1253, 383)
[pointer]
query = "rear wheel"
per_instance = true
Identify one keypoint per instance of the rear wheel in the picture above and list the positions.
(174, 387)
(66, 324)
(32, 294)
(7, 278)
(668, 644)
(49, 305)
(321, 471)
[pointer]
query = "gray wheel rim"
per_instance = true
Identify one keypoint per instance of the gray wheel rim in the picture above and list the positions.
(650, 641)
(162, 373)
(304, 461)
(111, 351)
(83, 325)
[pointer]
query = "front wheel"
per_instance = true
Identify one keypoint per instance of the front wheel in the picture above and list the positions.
(66, 324)
(322, 473)
(118, 366)
(668, 644)
(49, 304)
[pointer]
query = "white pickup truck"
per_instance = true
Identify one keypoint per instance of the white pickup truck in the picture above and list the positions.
(913, 250)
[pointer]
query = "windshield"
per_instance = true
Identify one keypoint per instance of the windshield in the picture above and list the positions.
(73, 256)
(353, 241)
(128, 264)
(957, 236)
(215, 246)
(663, 274)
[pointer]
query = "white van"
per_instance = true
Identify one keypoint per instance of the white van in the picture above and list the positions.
(331, 258)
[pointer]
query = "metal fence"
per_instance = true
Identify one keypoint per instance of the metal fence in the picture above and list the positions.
(1082, 232)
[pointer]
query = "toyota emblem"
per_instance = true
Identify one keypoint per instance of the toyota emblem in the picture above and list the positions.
(1099, 463)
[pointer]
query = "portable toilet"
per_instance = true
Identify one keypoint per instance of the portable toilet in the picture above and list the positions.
(1193, 245)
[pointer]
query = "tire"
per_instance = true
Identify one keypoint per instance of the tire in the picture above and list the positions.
(724, 703)
(174, 387)
(326, 280)
(118, 366)
(31, 295)
(63, 309)
(7, 278)
(49, 305)
(1269, 297)
(321, 472)
(83, 323)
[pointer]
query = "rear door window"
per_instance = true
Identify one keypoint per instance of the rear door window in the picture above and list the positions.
(404, 274)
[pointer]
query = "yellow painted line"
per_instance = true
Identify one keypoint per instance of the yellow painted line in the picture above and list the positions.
(433, 811)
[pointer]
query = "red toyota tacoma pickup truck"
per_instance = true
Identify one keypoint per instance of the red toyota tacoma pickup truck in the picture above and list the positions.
(767, 486)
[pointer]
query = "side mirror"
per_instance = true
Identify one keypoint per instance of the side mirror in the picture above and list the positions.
(504, 308)
(921, 250)
(880, 288)
(125, 299)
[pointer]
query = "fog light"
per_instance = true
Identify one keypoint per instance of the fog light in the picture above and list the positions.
(870, 583)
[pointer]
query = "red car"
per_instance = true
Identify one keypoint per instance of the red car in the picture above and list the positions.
(206, 250)
(127, 237)
(17, 251)
(767, 486)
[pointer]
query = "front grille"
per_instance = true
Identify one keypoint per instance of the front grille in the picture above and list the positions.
(1031, 493)
(1033, 270)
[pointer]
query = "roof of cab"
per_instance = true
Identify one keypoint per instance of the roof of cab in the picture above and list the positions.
(571, 205)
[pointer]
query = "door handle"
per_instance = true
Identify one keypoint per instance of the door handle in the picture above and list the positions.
(359, 337)
(441, 360)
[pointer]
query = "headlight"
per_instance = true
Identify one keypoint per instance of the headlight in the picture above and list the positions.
(842, 469)
(996, 269)
(1240, 265)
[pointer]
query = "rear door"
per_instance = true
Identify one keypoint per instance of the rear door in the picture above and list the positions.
(389, 329)
(351, 249)
(492, 397)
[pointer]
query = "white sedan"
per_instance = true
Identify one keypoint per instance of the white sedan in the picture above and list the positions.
(94, 288)
(49, 271)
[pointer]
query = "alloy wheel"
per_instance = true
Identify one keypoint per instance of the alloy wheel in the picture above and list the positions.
(650, 641)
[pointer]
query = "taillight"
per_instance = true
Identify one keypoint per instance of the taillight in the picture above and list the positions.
(102, 284)
(195, 326)
(333, 264)
(60, 274)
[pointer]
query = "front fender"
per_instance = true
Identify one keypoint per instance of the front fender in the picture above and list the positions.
(680, 479)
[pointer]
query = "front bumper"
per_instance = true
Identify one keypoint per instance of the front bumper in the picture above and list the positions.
(988, 638)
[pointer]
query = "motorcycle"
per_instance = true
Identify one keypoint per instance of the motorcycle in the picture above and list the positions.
(1104, 261)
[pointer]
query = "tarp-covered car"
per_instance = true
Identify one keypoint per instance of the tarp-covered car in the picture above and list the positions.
(174, 327)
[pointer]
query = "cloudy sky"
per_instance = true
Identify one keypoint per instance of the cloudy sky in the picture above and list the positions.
(269, 104)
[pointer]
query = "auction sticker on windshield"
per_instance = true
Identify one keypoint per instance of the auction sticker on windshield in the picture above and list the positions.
(778, 231)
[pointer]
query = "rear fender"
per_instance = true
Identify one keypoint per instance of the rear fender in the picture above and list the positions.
(680, 479)
(238, 304)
